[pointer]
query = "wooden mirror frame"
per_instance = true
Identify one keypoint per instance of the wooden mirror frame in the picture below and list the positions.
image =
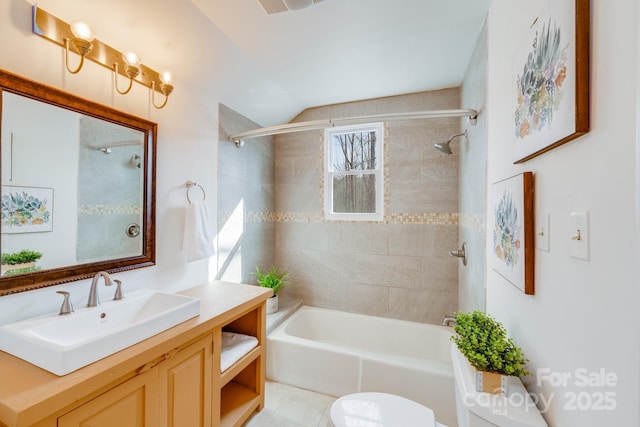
(33, 280)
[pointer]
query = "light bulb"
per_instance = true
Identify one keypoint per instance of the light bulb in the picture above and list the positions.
(131, 59)
(82, 31)
(166, 77)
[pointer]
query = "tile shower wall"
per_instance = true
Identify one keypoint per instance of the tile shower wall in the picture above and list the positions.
(246, 201)
(473, 166)
(399, 267)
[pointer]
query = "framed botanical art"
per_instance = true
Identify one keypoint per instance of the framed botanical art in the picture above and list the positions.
(27, 209)
(551, 80)
(512, 254)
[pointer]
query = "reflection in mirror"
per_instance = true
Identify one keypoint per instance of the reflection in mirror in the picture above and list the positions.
(77, 187)
(71, 185)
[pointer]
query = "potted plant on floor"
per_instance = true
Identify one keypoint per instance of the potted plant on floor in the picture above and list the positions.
(19, 262)
(483, 341)
(274, 280)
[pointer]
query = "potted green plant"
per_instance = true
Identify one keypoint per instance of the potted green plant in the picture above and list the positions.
(483, 341)
(20, 262)
(272, 279)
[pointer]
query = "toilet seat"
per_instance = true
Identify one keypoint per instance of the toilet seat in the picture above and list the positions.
(380, 410)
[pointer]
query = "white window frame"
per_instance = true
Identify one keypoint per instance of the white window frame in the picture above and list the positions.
(378, 215)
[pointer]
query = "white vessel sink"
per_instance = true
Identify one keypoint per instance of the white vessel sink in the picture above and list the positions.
(62, 344)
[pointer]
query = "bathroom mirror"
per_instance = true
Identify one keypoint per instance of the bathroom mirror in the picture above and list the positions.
(78, 187)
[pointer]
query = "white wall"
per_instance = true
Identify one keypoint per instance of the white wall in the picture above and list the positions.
(167, 35)
(584, 313)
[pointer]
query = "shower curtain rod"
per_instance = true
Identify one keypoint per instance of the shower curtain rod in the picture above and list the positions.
(238, 138)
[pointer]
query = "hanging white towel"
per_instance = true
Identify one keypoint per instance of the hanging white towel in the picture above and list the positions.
(198, 234)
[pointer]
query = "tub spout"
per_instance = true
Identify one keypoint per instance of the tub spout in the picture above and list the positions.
(449, 320)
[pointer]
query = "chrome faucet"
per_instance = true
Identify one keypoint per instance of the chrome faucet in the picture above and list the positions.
(449, 320)
(94, 299)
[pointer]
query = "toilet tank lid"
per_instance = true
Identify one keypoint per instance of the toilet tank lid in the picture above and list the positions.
(516, 410)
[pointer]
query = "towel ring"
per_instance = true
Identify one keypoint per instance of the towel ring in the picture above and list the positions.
(191, 184)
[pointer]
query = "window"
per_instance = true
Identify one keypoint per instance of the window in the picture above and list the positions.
(353, 178)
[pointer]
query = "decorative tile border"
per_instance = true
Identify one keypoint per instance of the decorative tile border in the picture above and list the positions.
(447, 218)
(473, 221)
(110, 210)
(262, 217)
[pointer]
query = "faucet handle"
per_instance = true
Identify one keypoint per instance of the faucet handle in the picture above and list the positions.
(449, 320)
(66, 307)
(118, 295)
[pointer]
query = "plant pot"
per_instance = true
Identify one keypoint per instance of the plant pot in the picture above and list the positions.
(491, 382)
(24, 267)
(272, 304)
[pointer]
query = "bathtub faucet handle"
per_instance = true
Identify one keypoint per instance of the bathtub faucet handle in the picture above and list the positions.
(449, 320)
(460, 253)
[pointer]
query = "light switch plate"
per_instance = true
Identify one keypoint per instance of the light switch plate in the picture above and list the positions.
(543, 232)
(579, 235)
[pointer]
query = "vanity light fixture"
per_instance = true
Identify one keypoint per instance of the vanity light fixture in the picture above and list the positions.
(79, 37)
(81, 41)
(131, 69)
(165, 87)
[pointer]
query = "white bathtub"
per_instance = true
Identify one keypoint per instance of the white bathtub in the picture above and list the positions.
(338, 353)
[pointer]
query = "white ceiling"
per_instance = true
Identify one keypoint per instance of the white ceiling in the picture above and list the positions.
(344, 50)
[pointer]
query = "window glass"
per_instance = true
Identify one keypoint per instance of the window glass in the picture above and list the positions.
(353, 172)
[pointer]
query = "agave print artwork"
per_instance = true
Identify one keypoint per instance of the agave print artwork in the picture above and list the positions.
(512, 229)
(26, 209)
(550, 98)
(507, 231)
(540, 85)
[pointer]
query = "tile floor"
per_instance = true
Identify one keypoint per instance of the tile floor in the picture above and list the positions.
(287, 406)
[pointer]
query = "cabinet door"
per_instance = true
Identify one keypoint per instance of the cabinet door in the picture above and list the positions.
(185, 386)
(131, 404)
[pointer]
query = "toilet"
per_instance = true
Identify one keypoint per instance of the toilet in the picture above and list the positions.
(380, 409)
(473, 408)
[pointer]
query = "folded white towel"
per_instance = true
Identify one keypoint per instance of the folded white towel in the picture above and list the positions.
(234, 346)
(198, 233)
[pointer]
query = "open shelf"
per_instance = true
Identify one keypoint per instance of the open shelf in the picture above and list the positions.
(241, 386)
(240, 365)
(238, 402)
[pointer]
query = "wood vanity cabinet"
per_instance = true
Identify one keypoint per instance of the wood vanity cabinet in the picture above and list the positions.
(173, 390)
(133, 403)
(180, 387)
(184, 386)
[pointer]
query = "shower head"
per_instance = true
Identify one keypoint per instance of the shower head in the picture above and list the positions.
(445, 147)
(105, 150)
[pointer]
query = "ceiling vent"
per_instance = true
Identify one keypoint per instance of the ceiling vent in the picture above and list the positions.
(277, 6)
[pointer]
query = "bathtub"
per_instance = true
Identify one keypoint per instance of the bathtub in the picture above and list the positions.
(338, 353)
